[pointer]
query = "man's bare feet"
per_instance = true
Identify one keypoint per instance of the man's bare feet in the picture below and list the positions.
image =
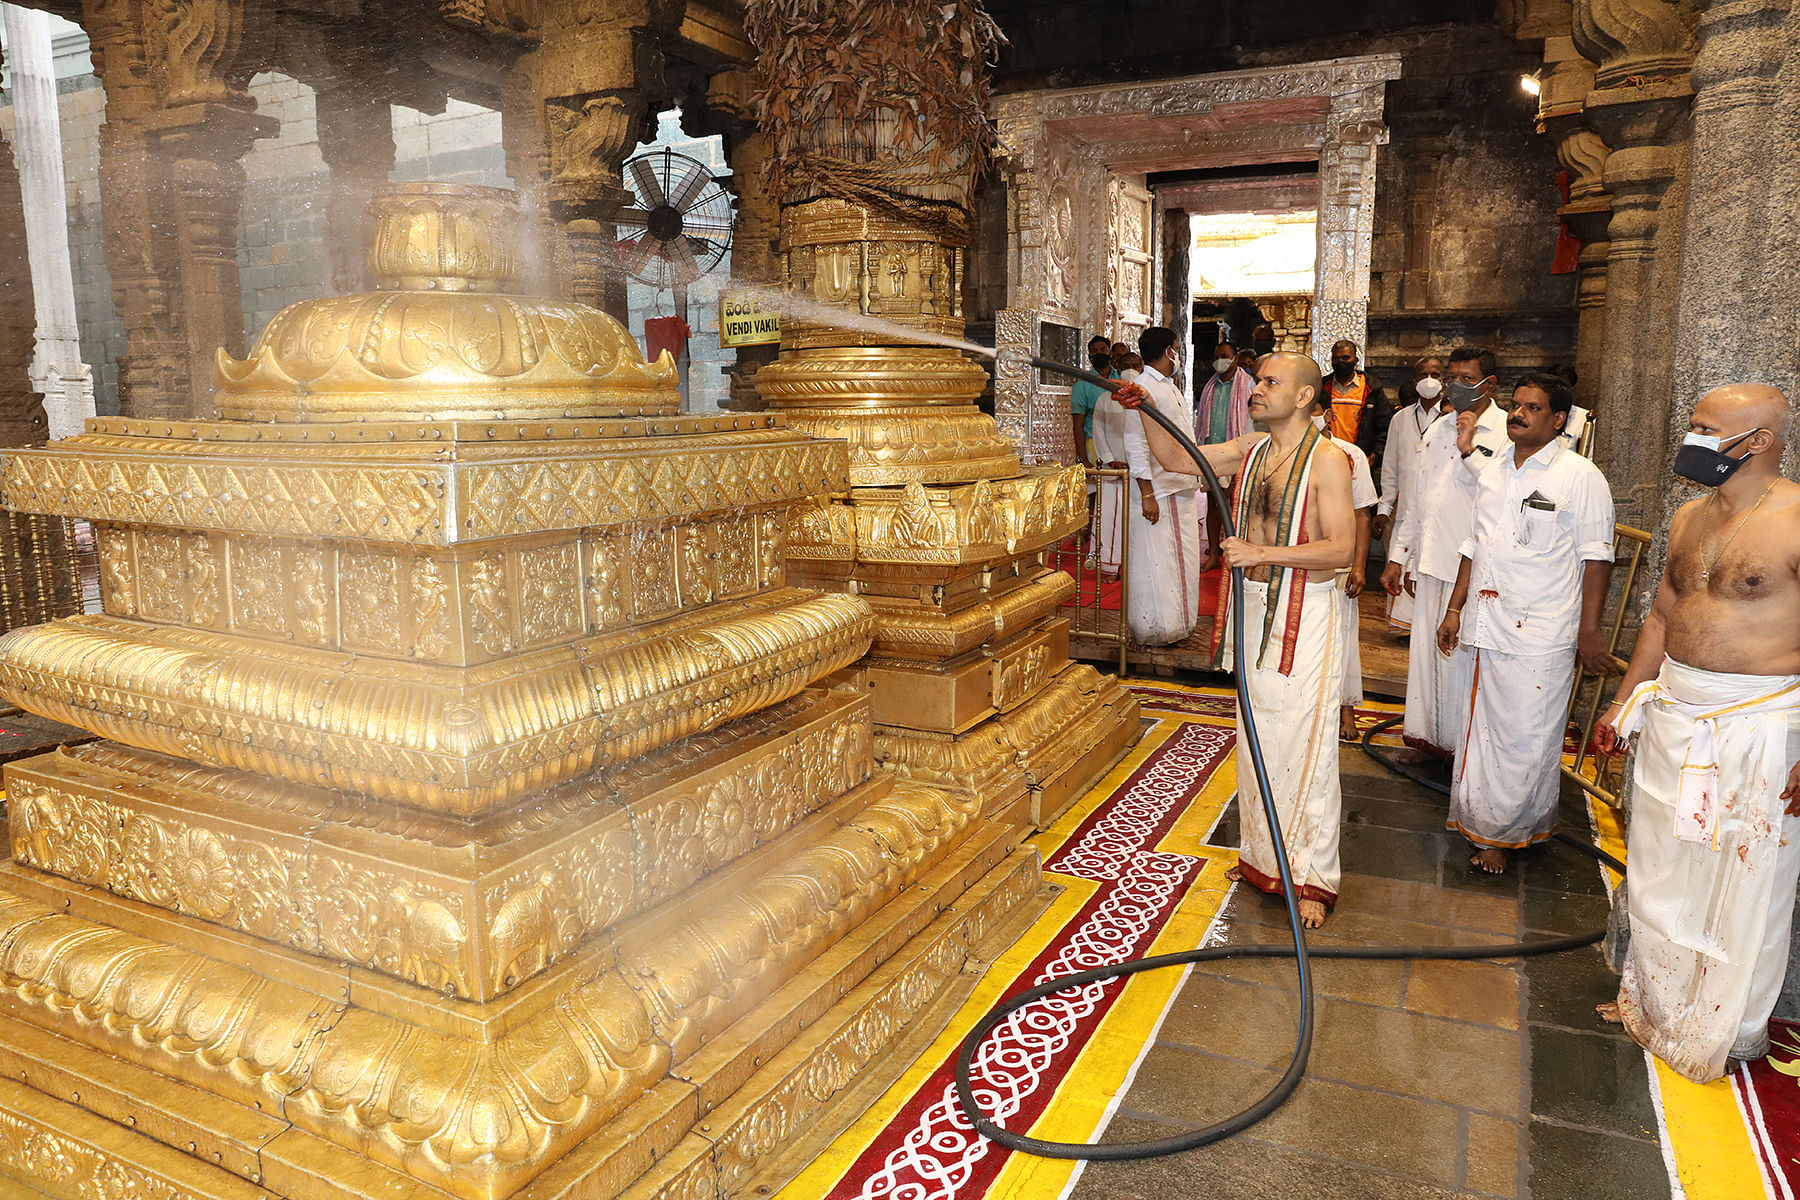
(1490, 860)
(1347, 731)
(1235, 875)
(1312, 913)
(1409, 755)
(1609, 1012)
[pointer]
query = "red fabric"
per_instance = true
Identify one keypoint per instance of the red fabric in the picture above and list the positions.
(665, 333)
(1068, 558)
(1566, 257)
(1766, 1089)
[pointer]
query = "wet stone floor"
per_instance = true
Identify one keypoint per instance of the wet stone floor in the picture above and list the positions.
(1427, 1080)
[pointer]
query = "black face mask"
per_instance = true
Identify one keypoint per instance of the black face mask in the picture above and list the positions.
(1102, 362)
(1701, 460)
(1463, 396)
(1344, 371)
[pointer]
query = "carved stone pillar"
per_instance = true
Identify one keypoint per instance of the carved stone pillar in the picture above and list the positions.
(1582, 153)
(595, 81)
(1740, 306)
(1639, 108)
(178, 121)
(356, 140)
(21, 407)
(1346, 217)
(756, 219)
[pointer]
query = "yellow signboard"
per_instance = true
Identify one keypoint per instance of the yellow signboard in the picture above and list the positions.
(744, 320)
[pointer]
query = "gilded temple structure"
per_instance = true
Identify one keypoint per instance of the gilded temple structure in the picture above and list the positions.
(943, 531)
(472, 816)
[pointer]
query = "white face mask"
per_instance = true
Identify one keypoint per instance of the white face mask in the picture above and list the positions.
(1429, 388)
(1222, 365)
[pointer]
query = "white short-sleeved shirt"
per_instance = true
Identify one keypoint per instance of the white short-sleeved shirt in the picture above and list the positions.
(1437, 519)
(1362, 480)
(1535, 525)
(1169, 402)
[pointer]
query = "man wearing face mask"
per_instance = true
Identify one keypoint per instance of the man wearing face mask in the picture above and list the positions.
(1164, 551)
(1359, 408)
(1713, 691)
(1399, 459)
(1527, 600)
(1222, 414)
(1084, 397)
(1429, 541)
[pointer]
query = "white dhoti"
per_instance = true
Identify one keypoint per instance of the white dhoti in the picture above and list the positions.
(1164, 600)
(1714, 862)
(1436, 707)
(1296, 723)
(1350, 690)
(1109, 524)
(1400, 612)
(1508, 770)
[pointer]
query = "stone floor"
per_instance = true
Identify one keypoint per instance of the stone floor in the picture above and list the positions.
(1427, 1080)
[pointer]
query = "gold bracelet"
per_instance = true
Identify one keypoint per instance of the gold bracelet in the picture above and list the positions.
(1457, 611)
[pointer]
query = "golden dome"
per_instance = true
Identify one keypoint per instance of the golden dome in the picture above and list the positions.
(441, 337)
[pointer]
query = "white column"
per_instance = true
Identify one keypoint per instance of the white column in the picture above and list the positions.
(57, 372)
(1353, 134)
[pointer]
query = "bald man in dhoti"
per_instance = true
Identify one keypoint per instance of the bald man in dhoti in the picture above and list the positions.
(1713, 694)
(1527, 599)
(1295, 530)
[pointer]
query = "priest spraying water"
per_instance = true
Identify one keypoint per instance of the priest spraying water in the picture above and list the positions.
(1295, 528)
(1713, 691)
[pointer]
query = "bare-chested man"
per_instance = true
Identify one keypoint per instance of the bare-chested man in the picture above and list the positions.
(1296, 528)
(1714, 688)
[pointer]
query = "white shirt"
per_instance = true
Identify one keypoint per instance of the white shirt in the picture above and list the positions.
(1534, 527)
(1109, 430)
(1362, 482)
(1435, 523)
(1400, 455)
(1170, 403)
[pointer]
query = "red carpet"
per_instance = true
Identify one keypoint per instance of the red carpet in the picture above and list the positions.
(1069, 558)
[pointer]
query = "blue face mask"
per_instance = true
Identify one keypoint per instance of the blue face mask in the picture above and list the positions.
(1701, 459)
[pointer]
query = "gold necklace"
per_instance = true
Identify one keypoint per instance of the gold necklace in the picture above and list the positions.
(1707, 570)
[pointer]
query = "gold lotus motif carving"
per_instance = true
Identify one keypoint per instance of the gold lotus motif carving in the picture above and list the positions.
(438, 341)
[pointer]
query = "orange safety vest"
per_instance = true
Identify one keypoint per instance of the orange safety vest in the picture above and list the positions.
(1347, 407)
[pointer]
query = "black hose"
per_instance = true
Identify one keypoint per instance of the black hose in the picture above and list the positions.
(1301, 953)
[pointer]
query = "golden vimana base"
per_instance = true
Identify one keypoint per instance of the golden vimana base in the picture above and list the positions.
(477, 817)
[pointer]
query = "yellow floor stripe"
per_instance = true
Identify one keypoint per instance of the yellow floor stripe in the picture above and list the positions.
(1714, 1159)
(829, 1167)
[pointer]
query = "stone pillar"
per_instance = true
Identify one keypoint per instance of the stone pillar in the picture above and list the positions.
(1423, 139)
(21, 407)
(356, 140)
(1178, 294)
(1639, 108)
(756, 220)
(1353, 134)
(1582, 153)
(1739, 299)
(178, 122)
(575, 107)
(58, 374)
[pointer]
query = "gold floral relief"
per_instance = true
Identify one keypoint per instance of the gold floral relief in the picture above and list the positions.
(739, 569)
(771, 546)
(696, 563)
(653, 569)
(258, 584)
(162, 575)
(489, 603)
(607, 556)
(369, 602)
(204, 604)
(118, 576)
(549, 594)
(311, 597)
(430, 600)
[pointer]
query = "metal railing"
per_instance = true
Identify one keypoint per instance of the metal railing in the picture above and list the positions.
(1091, 579)
(1629, 546)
